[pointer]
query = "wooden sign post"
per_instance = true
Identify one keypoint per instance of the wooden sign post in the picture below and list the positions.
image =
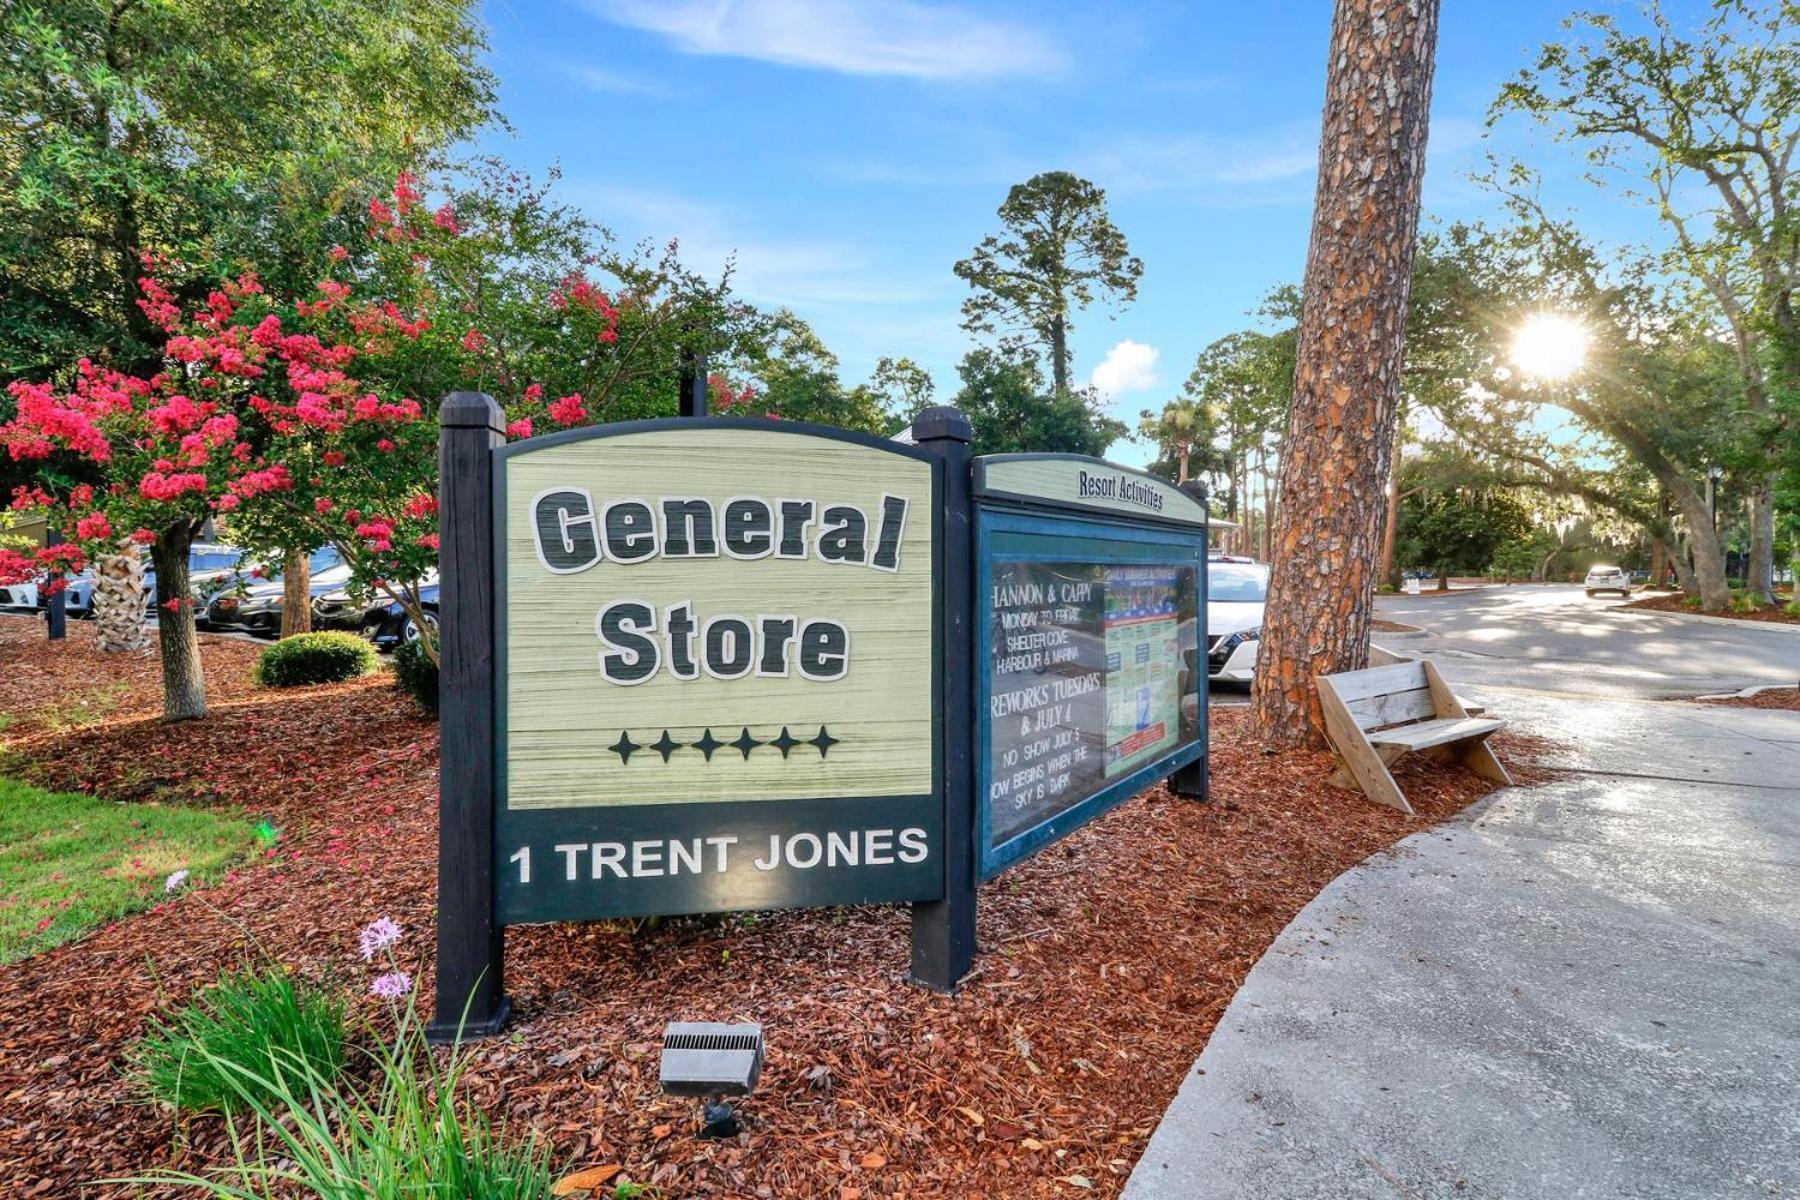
(695, 665)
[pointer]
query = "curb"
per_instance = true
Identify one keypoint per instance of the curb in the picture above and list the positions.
(1748, 692)
(1734, 622)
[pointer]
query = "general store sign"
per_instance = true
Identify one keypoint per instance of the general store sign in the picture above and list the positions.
(718, 647)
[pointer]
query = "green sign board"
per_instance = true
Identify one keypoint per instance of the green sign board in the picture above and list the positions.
(1092, 686)
(717, 655)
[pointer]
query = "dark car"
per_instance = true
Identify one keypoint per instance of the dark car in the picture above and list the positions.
(385, 622)
(256, 607)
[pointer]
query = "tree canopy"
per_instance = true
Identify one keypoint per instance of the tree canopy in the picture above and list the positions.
(1057, 253)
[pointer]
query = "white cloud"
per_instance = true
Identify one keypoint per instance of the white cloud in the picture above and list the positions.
(1128, 367)
(600, 79)
(852, 37)
(803, 273)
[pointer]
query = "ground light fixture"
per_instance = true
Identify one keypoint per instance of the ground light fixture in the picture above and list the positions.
(1550, 345)
(712, 1060)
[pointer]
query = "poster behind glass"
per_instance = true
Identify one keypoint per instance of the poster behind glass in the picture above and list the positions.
(1093, 675)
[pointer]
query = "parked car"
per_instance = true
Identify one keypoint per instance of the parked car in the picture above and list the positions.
(1235, 594)
(212, 568)
(18, 596)
(383, 622)
(257, 607)
(1608, 579)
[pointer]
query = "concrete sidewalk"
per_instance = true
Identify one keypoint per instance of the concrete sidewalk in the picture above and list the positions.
(1585, 989)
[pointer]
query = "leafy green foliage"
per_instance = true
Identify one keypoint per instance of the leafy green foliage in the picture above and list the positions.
(1009, 411)
(1059, 252)
(186, 131)
(70, 863)
(309, 1134)
(417, 675)
(1453, 520)
(310, 658)
(795, 378)
(222, 1051)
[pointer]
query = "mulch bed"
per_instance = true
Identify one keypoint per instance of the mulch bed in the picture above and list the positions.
(1675, 602)
(1107, 961)
(1787, 699)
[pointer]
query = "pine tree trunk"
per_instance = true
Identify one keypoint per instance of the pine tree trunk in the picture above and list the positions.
(119, 601)
(184, 683)
(296, 594)
(1351, 343)
(1059, 354)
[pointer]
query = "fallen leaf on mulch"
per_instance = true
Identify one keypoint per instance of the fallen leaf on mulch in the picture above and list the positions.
(1110, 956)
(585, 1181)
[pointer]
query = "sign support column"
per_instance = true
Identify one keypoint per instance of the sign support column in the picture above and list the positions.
(943, 931)
(56, 606)
(471, 995)
(1194, 782)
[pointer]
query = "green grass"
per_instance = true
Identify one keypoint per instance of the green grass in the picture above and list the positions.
(245, 1027)
(69, 862)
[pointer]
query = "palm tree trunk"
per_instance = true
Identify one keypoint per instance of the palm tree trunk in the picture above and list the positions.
(1348, 359)
(119, 601)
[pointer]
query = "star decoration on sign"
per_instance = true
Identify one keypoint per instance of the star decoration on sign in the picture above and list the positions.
(624, 747)
(666, 745)
(785, 742)
(824, 741)
(708, 743)
(745, 742)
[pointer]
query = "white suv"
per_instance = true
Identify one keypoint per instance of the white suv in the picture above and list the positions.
(1608, 579)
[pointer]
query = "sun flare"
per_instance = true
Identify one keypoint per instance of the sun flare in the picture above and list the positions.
(1550, 346)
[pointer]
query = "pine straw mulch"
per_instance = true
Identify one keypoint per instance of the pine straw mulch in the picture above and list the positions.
(1784, 698)
(1676, 602)
(1107, 961)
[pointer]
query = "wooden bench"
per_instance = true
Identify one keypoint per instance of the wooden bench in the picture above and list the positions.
(1374, 717)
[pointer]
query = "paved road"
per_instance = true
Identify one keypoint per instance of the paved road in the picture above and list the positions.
(1584, 989)
(1552, 637)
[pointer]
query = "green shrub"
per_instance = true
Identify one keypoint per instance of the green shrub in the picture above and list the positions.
(223, 1050)
(314, 658)
(1792, 608)
(416, 675)
(315, 1137)
(1692, 602)
(1745, 604)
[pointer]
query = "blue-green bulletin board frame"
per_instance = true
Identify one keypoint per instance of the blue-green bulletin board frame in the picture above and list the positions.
(1004, 534)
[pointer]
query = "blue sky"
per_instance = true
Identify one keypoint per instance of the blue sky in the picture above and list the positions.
(849, 152)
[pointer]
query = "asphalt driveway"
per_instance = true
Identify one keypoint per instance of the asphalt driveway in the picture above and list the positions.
(1552, 637)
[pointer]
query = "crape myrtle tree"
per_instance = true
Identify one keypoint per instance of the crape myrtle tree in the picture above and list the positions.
(203, 132)
(501, 291)
(1348, 358)
(210, 138)
(1059, 252)
(314, 422)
